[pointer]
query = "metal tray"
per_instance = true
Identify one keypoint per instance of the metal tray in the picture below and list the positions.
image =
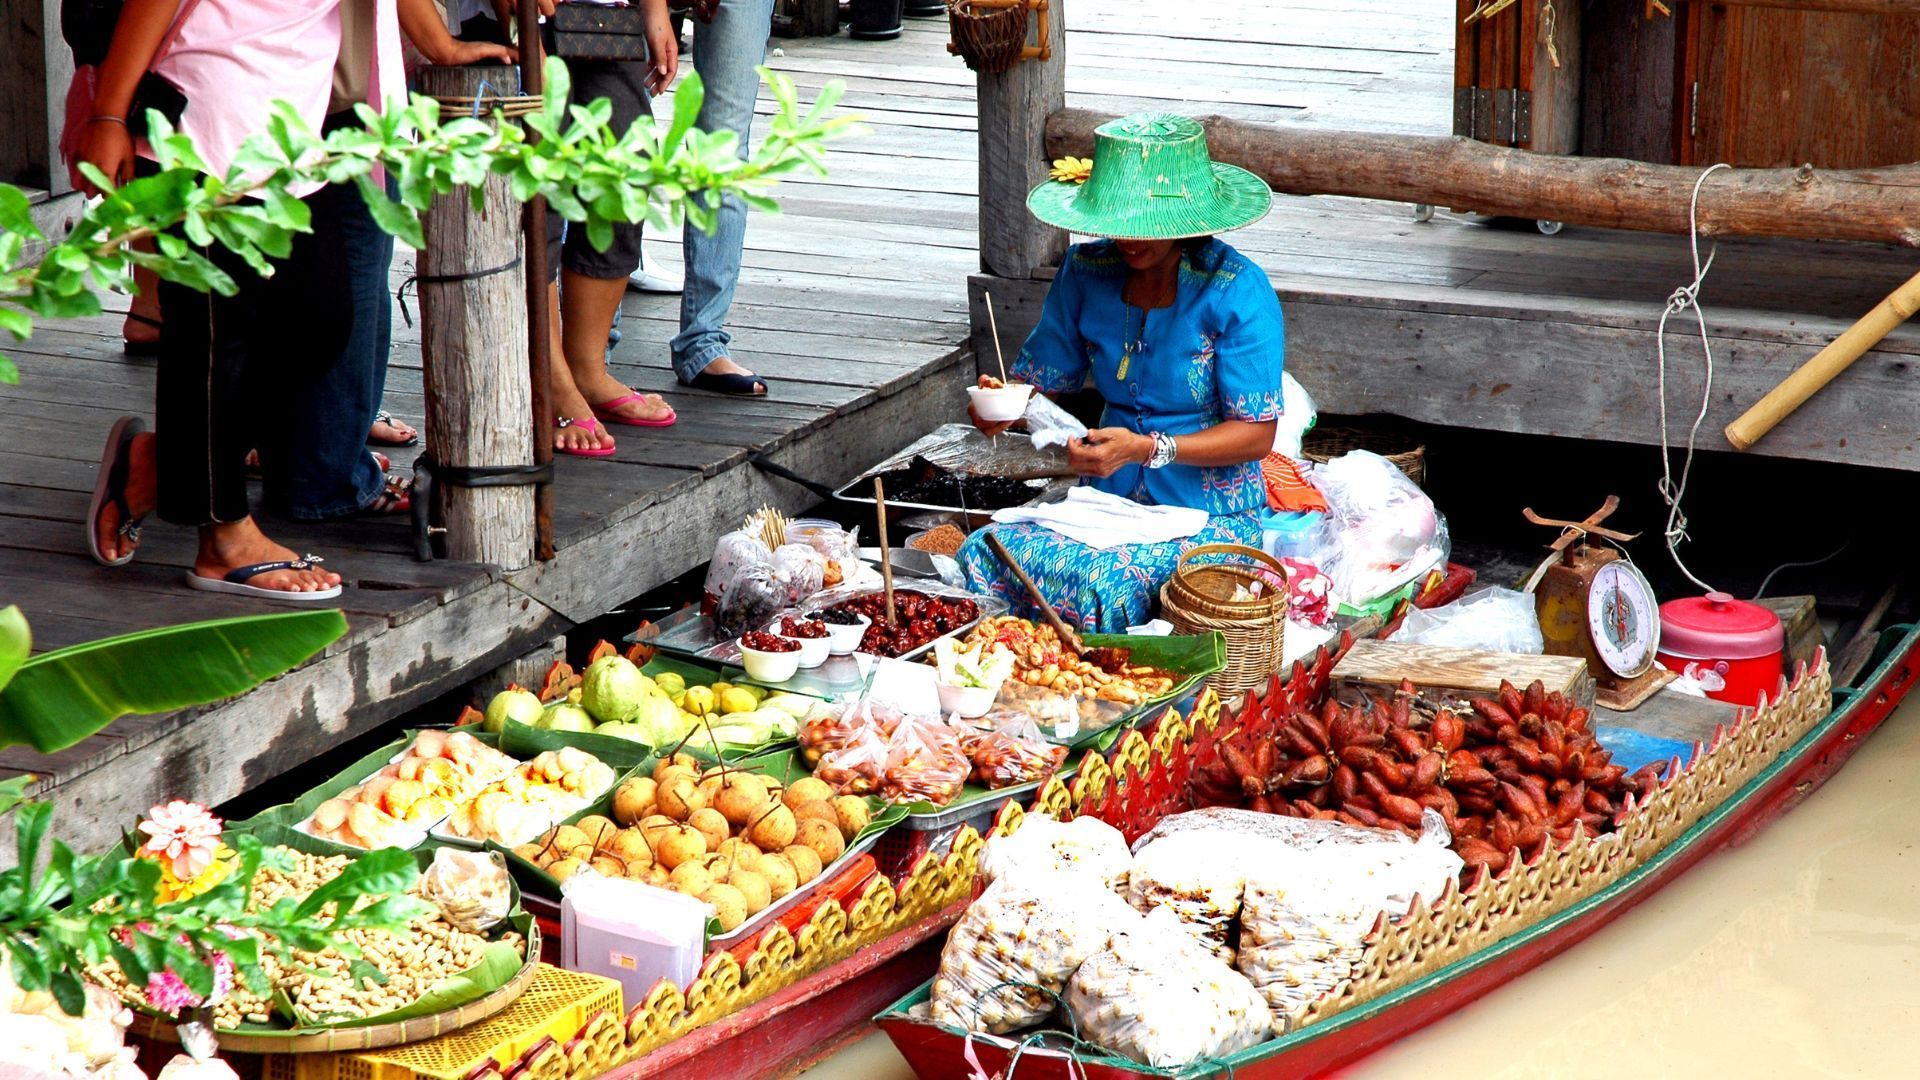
(935, 445)
(982, 809)
(860, 846)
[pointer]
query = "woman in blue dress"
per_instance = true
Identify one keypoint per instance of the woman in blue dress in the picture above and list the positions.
(1182, 336)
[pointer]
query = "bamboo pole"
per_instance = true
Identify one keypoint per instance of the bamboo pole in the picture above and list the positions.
(1874, 205)
(1808, 378)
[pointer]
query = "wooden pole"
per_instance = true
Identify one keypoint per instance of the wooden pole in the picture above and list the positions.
(886, 553)
(1013, 109)
(1808, 378)
(1069, 640)
(472, 333)
(1873, 205)
(539, 332)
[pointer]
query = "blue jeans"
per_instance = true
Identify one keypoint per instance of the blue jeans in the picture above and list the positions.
(727, 53)
(320, 466)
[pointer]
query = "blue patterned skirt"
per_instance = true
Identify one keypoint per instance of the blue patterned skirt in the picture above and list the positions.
(1100, 590)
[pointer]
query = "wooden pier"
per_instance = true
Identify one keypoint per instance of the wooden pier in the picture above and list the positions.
(855, 304)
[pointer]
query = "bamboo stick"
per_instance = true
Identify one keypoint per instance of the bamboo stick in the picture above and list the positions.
(886, 554)
(1808, 378)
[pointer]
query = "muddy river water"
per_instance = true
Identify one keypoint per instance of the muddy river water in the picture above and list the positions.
(1796, 954)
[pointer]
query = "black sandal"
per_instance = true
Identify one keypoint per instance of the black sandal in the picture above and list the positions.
(111, 488)
(732, 383)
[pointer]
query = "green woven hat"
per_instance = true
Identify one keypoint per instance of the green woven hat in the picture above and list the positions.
(1152, 180)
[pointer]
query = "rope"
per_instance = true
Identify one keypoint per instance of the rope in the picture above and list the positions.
(1684, 298)
(400, 294)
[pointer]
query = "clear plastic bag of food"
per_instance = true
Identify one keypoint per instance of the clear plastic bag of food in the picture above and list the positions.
(1003, 759)
(858, 765)
(830, 728)
(470, 888)
(801, 569)
(731, 553)
(1153, 995)
(1044, 846)
(1492, 620)
(1015, 947)
(925, 762)
(750, 598)
(1382, 528)
(1197, 878)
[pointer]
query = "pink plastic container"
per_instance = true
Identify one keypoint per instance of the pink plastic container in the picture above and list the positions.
(1733, 648)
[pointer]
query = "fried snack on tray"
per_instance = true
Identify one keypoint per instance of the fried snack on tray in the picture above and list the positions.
(1040, 660)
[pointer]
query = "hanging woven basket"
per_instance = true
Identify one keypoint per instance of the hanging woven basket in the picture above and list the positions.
(991, 35)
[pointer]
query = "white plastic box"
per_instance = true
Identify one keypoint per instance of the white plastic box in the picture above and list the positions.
(631, 932)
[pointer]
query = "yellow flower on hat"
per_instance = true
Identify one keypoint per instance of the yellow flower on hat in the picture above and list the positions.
(1071, 169)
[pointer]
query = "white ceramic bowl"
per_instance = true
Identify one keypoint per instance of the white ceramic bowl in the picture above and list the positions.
(813, 650)
(845, 640)
(769, 667)
(1001, 405)
(970, 702)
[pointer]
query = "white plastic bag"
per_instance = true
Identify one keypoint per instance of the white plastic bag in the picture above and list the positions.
(1051, 425)
(1196, 878)
(1042, 847)
(1015, 948)
(1492, 619)
(1297, 416)
(1383, 529)
(1157, 997)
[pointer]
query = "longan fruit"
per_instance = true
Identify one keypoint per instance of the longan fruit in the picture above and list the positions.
(806, 862)
(805, 790)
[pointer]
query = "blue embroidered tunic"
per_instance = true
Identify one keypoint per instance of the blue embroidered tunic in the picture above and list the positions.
(1215, 354)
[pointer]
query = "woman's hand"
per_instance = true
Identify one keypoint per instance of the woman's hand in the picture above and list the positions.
(1106, 451)
(663, 48)
(989, 428)
(107, 145)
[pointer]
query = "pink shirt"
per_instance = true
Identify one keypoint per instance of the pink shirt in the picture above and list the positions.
(230, 58)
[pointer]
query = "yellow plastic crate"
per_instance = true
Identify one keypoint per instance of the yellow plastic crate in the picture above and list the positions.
(557, 1005)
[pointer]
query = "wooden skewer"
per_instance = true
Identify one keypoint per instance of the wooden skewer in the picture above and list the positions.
(886, 555)
(1068, 638)
(993, 327)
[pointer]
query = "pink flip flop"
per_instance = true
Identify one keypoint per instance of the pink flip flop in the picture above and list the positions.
(590, 424)
(604, 411)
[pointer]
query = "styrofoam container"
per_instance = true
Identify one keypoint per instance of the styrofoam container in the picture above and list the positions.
(1002, 404)
(845, 640)
(632, 932)
(970, 702)
(770, 667)
(813, 650)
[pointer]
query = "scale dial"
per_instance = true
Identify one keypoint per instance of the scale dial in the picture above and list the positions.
(1623, 619)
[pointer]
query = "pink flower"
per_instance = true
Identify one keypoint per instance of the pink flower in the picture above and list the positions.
(169, 994)
(183, 833)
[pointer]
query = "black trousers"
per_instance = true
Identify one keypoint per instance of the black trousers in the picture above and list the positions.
(232, 367)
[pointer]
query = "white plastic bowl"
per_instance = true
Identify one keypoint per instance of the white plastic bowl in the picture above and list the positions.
(845, 640)
(813, 650)
(970, 702)
(1000, 405)
(769, 667)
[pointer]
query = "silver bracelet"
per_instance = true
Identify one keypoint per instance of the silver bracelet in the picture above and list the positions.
(1165, 450)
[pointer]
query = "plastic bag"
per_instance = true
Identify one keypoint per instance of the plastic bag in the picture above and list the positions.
(1050, 425)
(470, 888)
(1044, 846)
(1001, 759)
(1382, 528)
(924, 762)
(1493, 619)
(801, 569)
(1297, 417)
(1153, 995)
(857, 766)
(1197, 878)
(751, 597)
(731, 553)
(1016, 946)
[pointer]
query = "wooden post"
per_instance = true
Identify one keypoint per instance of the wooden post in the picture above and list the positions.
(1013, 109)
(473, 345)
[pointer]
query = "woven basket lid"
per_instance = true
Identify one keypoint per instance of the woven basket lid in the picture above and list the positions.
(1152, 179)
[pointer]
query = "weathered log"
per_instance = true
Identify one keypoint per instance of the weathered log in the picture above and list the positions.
(1013, 110)
(1874, 205)
(473, 350)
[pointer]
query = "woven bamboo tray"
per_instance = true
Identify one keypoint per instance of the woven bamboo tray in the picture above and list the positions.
(348, 1039)
(1396, 444)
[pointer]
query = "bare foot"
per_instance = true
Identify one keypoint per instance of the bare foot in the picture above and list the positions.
(140, 492)
(603, 387)
(392, 431)
(226, 548)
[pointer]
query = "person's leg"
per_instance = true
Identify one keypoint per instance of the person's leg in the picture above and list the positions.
(580, 432)
(727, 52)
(592, 282)
(322, 468)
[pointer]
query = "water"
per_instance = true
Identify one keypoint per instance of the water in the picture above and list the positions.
(1797, 954)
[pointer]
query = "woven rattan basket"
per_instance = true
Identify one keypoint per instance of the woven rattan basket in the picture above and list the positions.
(1199, 598)
(1395, 443)
(989, 36)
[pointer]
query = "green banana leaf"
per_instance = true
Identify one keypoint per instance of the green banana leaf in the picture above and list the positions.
(16, 643)
(59, 698)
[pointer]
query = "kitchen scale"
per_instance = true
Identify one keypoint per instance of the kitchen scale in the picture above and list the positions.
(1595, 604)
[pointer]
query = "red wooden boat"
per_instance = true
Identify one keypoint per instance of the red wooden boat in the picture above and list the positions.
(1769, 789)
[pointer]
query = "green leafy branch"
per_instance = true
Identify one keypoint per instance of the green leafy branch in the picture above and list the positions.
(592, 175)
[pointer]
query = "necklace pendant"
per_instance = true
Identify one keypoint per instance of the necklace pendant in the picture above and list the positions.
(1126, 361)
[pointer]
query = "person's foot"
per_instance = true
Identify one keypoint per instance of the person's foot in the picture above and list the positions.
(575, 437)
(390, 430)
(724, 370)
(605, 388)
(141, 330)
(141, 491)
(650, 278)
(226, 548)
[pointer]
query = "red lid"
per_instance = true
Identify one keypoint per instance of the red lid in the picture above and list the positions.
(1719, 627)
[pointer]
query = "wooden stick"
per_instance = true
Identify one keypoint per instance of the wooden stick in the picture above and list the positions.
(993, 327)
(1853, 656)
(1068, 637)
(1829, 362)
(886, 554)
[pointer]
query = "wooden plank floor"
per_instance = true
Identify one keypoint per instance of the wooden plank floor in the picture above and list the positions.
(853, 302)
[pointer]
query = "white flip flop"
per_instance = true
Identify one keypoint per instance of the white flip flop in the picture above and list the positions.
(235, 583)
(111, 487)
